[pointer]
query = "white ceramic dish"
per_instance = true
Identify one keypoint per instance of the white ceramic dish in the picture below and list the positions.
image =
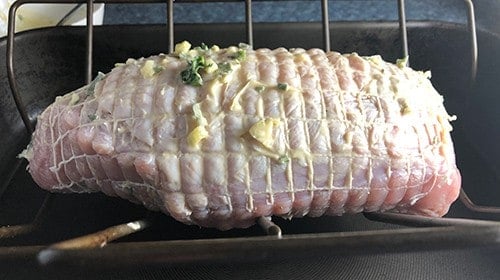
(31, 16)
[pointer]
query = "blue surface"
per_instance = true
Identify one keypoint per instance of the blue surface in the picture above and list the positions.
(277, 11)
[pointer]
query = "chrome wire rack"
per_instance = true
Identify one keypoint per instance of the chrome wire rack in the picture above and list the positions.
(433, 232)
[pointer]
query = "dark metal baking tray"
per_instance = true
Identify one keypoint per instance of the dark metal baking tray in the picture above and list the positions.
(50, 62)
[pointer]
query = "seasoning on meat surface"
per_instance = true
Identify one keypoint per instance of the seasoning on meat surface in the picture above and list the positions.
(219, 137)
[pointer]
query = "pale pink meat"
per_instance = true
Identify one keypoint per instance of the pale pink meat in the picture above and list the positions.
(349, 134)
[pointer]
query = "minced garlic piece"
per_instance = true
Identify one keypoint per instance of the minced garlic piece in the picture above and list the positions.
(196, 135)
(211, 66)
(74, 99)
(402, 62)
(376, 59)
(262, 131)
(147, 70)
(198, 124)
(182, 47)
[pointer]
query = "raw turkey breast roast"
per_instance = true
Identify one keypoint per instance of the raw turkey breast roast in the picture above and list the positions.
(220, 137)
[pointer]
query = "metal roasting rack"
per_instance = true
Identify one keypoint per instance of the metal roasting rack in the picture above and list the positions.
(430, 231)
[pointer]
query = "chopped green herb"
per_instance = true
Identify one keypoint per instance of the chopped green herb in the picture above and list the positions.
(240, 55)
(92, 117)
(284, 159)
(224, 68)
(260, 89)
(282, 86)
(191, 76)
(204, 47)
(157, 69)
(74, 99)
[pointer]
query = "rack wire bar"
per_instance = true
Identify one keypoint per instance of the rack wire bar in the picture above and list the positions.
(12, 231)
(471, 25)
(95, 240)
(170, 25)
(403, 33)
(249, 22)
(15, 230)
(326, 25)
(10, 67)
(477, 208)
(268, 248)
(90, 38)
(421, 221)
(67, 16)
(101, 238)
(269, 227)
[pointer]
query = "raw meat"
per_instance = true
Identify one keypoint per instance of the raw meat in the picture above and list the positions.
(219, 137)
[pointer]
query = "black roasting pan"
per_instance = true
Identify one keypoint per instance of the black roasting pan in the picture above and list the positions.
(50, 62)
